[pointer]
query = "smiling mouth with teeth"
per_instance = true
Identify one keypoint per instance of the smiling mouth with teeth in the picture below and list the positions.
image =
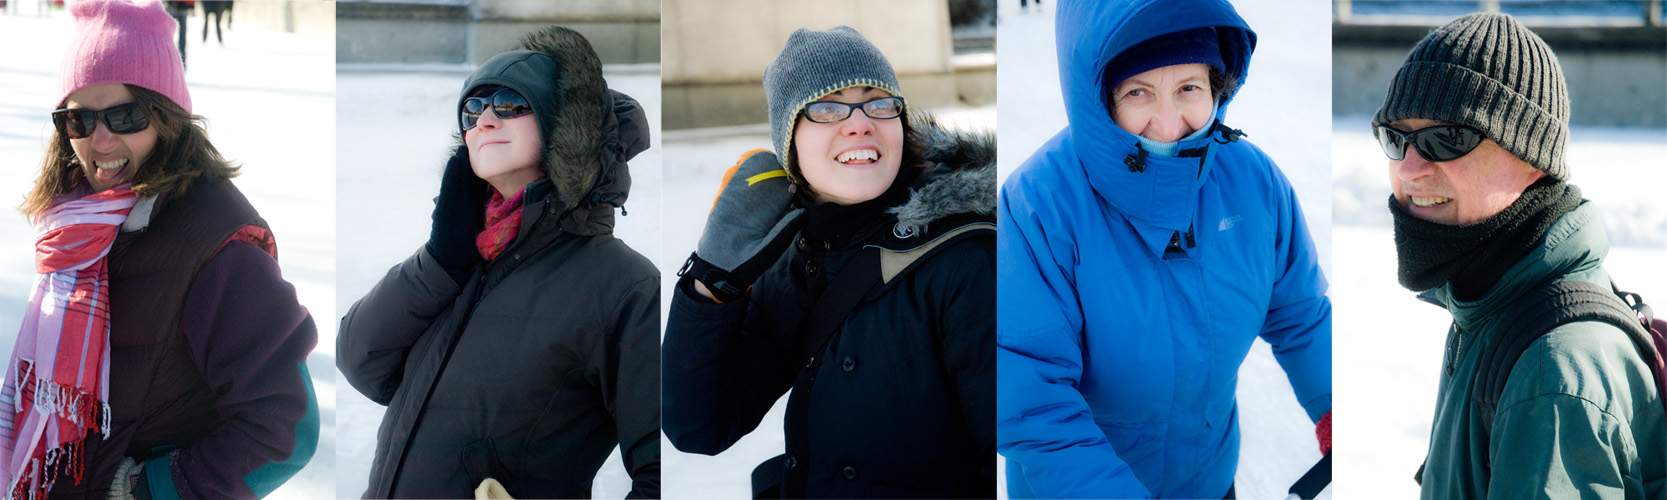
(860, 154)
(1429, 202)
(111, 165)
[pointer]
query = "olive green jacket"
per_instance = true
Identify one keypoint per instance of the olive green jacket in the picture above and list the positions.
(1580, 416)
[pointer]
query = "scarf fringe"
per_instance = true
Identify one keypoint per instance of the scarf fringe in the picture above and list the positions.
(79, 407)
(43, 471)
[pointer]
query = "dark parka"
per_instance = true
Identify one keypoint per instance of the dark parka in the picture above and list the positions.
(547, 357)
(902, 402)
(208, 344)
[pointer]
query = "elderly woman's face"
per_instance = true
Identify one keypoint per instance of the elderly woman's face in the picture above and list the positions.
(109, 159)
(1164, 104)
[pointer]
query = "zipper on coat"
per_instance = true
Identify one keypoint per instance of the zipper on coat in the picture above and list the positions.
(1455, 342)
(1137, 161)
(1174, 250)
(451, 347)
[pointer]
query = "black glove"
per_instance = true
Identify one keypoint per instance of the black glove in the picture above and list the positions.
(459, 216)
(751, 224)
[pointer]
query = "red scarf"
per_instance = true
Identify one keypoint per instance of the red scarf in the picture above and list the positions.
(56, 390)
(503, 222)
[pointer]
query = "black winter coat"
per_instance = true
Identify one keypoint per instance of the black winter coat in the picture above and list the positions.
(901, 404)
(532, 371)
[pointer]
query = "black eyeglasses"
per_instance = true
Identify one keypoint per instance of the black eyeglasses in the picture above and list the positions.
(1437, 143)
(833, 111)
(505, 104)
(121, 119)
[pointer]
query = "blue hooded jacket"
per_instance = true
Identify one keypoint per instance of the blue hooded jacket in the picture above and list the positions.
(1132, 286)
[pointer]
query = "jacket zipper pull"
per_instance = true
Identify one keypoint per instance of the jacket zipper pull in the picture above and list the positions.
(1455, 342)
(1231, 134)
(1137, 161)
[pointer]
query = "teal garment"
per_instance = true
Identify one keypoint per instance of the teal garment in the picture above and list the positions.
(1579, 417)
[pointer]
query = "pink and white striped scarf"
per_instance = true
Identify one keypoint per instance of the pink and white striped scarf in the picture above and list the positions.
(56, 387)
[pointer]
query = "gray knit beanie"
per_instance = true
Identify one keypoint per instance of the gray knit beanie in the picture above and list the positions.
(815, 64)
(1487, 71)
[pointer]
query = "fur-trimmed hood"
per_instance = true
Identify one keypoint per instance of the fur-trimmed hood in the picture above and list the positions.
(589, 131)
(959, 181)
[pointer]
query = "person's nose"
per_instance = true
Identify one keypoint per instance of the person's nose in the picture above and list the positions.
(857, 125)
(488, 119)
(1412, 165)
(103, 139)
(1169, 125)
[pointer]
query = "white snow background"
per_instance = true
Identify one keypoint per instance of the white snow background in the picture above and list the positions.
(397, 125)
(268, 98)
(1284, 107)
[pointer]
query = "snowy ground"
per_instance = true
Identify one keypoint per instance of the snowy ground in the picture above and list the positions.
(1389, 345)
(1283, 107)
(269, 99)
(396, 132)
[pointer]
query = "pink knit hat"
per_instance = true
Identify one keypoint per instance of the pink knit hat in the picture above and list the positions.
(123, 41)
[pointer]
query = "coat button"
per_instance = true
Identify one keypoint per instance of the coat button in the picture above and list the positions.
(792, 462)
(810, 268)
(802, 244)
(850, 472)
(850, 364)
(517, 256)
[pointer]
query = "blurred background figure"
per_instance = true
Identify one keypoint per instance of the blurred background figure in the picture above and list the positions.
(943, 54)
(269, 98)
(399, 70)
(1614, 56)
(179, 9)
(219, 10)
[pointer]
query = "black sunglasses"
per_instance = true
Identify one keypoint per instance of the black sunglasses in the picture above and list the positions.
(121, 119)
(1437, 143)
(505, 104)
(833, 111)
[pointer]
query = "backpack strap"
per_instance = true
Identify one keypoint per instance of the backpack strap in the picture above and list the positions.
(1544, 309)
(893, 263)
(1536, 314)
(836, 302)
(872, 266)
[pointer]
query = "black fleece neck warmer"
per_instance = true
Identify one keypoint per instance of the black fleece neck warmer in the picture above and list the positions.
(837, 224)
(1474, 256)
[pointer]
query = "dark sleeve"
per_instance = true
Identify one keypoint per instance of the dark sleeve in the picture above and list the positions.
(719, 379)
(629, 372)
(249, 337)
(379, 330)
(969, 345)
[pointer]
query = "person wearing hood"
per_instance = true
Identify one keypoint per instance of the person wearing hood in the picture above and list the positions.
(1475, 125)
(162, 353)
(520, 344)
(1142, 250)
(853, 265)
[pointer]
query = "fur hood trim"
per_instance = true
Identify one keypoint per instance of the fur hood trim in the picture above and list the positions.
(959, 179)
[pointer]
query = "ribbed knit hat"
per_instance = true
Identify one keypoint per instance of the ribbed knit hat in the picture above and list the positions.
(123, 41)
(1487, 71)
(1200, 45)
(815, 64)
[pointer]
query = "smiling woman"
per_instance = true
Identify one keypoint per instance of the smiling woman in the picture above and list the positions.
(159, 276)
(853, 266)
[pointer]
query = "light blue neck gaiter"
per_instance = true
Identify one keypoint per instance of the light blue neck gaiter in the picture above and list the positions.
(1168, 149)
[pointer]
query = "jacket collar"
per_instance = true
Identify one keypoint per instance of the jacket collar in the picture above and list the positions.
(1574, 248)
(1157, 194)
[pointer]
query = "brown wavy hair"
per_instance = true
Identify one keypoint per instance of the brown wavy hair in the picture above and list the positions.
(182, 155)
